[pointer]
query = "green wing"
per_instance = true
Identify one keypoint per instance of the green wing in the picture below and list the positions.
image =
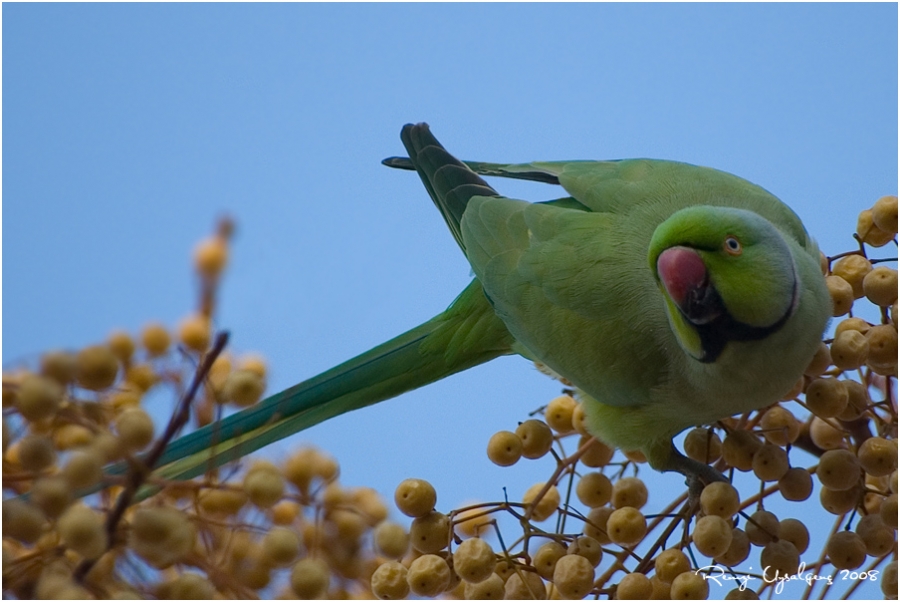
(570, 284)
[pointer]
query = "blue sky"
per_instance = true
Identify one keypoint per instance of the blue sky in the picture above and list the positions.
(128, 128)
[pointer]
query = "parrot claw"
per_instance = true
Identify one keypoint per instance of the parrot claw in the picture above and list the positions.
(698, 475)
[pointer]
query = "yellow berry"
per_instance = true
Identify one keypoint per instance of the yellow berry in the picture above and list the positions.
(428, 576)
(826, 397)
(222, 501)
(689, 586)
(661, 589)
(579, 420)
(492, 588)
(739, 448)
(737, 551)
(703, 445)
(712, 535)
(84, 468)
(878, 537)
(626, 526)
(880, 286)
(587, 547)
(264, 488)
(796, 485)
(819, 362)
(194, 332)
(474, 560)
(61, 366)
(671, 563)
(36, 453)
(794, 531)
(22, 521)
(38, 397)
(720, 499)
(155, 339)
(504, 448)
(52, 495)
(852, 268)
(882, 349)
(596, 524)
(210, 257)
(389, 581)
(243, 388)
(857, 324)
(868, 232)
(187, 586)
(839, 502)
(135, 429)
(546, 557)
(594, 489)
(846, 550)
(629, 491)
(415, 497)
(471, 522)
(825, 435)
(884, 214)
(280, 546)
(536, 438)
(850, 350)
(543, 508)
(97, 367)
(762, 527)
(559, 414)
(162, 535)
(391, 540)
(82, 529)
(573, 576)
(525, 585)
(770, 462)
(634, 586)
(857, 400)
(597, 455)
(841, 295)
(779, 426)
(430, 533)
(781, 558)
(878, 456)
(122, 345)
(310, 578)
(141, 376)
(254, 363)
(838, 469)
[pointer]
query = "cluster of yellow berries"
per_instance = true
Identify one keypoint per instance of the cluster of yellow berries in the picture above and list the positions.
(838, 426)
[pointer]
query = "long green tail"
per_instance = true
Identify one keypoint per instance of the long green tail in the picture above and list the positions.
(468, 333)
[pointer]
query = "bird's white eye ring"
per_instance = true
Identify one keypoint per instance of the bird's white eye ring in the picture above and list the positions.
(732, 246)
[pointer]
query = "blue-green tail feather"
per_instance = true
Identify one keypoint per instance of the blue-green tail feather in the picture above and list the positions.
(468, 333)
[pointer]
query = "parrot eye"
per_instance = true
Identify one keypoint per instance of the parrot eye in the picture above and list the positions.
(732, 246)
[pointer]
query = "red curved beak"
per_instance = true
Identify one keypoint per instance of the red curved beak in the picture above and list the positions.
(681, 271)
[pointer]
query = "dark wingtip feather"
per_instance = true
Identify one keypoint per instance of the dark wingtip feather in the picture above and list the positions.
(399, 163)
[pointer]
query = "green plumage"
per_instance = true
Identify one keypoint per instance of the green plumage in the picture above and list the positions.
(574, 284)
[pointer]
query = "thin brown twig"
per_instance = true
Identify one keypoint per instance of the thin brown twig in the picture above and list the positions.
(140, 470)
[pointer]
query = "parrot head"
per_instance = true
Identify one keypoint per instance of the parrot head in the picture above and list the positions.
(726, 275)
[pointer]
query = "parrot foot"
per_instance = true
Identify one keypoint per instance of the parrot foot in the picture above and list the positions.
(698, 475)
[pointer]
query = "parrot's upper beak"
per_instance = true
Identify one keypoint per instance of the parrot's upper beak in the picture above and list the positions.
(683, 273)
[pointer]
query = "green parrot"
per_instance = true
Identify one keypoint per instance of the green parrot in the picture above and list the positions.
(670, 295)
